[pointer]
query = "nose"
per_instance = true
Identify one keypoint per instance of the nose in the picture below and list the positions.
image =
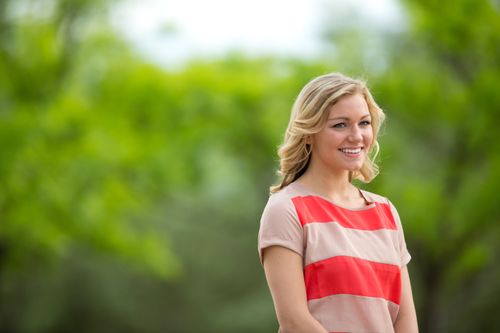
(355, 134)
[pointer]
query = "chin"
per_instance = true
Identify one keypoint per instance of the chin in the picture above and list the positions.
(354, 168)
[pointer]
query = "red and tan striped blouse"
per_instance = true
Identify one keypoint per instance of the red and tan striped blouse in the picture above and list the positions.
(352, 257)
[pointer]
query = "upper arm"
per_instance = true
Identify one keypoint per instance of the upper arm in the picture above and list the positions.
(407, 316)
(280, 225)
(284, 274)
(281, 249)
(404, 255)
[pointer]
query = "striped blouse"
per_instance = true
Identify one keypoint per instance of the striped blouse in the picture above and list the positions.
(351, 257)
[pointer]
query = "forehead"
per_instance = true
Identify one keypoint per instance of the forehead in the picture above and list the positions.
(349, 106)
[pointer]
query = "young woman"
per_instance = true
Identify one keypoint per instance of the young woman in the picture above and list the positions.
(334, 255)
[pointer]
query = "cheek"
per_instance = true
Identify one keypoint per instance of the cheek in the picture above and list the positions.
(327, 139)
(369, 137)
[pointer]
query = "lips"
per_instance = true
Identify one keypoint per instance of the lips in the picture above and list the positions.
(352, 151)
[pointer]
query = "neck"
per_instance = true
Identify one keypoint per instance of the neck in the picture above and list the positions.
(334, 185)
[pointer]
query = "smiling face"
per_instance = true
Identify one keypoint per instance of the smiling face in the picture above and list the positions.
(343, 143)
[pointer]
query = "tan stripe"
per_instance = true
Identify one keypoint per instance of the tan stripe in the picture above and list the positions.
(326, 240)
(349, 313)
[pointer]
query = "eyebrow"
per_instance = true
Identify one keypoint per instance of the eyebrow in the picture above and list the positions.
(347, 118)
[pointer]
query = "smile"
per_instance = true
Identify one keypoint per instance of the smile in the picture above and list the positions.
(351, 151)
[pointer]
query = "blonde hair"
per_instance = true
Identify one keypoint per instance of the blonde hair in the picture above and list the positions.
(309, 114)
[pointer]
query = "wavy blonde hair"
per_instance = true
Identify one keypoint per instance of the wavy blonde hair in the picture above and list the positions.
(309, 115)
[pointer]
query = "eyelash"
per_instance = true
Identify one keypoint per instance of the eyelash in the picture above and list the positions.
(363, 123)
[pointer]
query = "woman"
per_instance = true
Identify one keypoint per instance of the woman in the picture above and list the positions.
(334, 255)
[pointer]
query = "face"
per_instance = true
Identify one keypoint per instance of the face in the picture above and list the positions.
(343, 143)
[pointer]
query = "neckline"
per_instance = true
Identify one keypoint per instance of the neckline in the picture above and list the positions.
(368, 204)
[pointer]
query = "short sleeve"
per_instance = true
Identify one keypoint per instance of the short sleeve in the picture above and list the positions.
(279, 225)
(404, 255)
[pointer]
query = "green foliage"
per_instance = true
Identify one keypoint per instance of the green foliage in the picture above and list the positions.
(439, 91)
(74, 171)
(130, 195)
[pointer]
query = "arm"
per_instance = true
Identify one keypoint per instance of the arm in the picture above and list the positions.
(407, 317)
(284, 274)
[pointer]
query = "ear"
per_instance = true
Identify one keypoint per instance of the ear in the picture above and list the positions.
(308, 139)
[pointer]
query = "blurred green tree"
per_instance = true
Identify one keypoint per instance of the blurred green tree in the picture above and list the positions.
(442, 87)
(437, 76)
(73, 170)
(104, 157)
(440, 155)
(103, 154)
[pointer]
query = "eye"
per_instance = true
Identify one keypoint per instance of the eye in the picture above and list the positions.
(365, 123)
(339, 125)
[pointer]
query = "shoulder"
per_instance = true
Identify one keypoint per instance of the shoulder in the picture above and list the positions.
(387, 204)
(279, 224)
(380, 199)
(283, 198)
(279, 202)
(374, 197)
(280, 205)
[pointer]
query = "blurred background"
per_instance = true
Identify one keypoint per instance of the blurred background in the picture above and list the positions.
(138, 141)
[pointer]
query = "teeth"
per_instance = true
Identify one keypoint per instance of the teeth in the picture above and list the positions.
(351, 151)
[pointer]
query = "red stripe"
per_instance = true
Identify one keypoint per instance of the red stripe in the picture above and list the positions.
(350, 275)
(316, 209)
